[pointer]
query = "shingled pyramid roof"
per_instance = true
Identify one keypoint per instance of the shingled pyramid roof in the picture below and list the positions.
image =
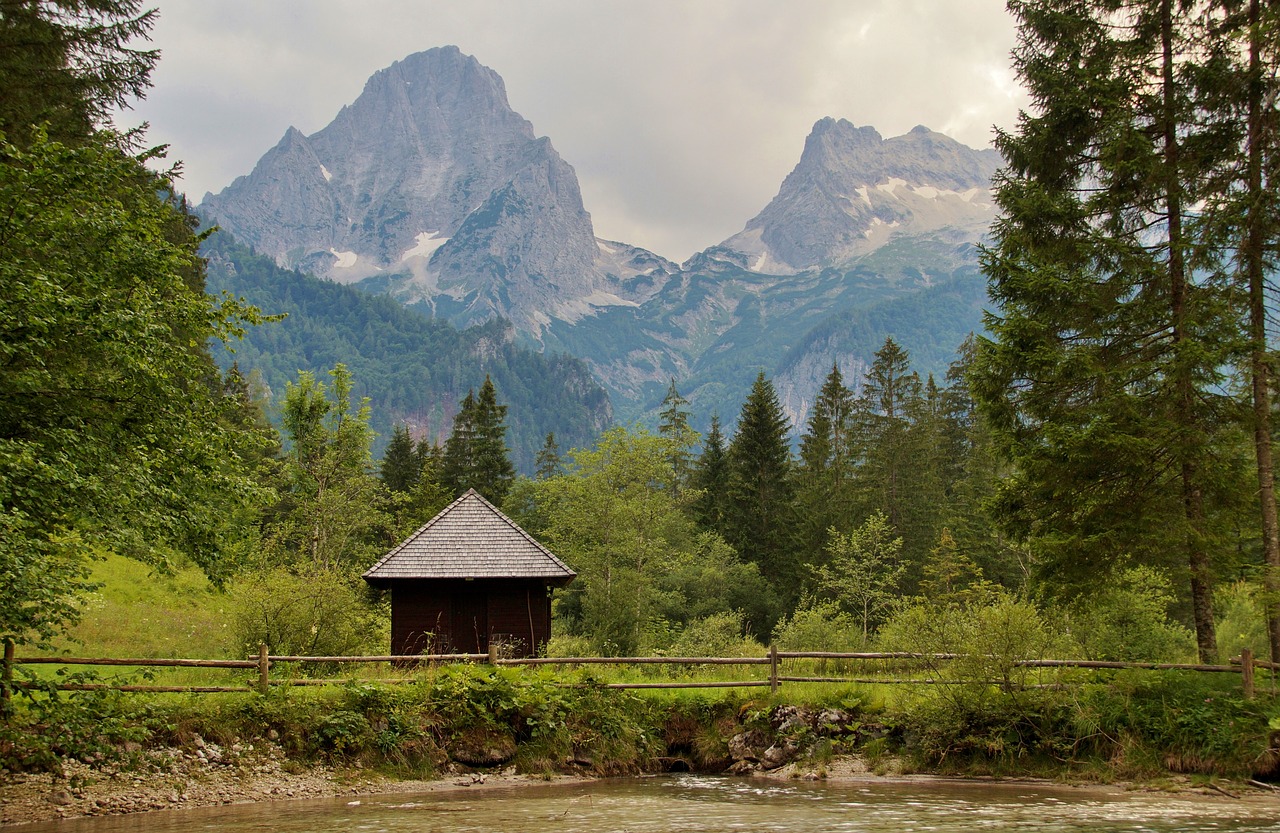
(470, 538)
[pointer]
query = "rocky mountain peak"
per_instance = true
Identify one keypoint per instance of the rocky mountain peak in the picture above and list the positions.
(432, 185)
(853, 191)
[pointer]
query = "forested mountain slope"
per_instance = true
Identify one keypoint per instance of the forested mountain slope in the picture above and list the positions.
(414, 369)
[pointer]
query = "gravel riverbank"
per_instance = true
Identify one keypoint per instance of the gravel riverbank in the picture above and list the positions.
(208, 776)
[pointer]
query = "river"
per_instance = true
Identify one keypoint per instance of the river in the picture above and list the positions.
(735, 805)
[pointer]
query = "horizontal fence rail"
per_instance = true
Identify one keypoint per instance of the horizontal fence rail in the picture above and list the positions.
(264, 662)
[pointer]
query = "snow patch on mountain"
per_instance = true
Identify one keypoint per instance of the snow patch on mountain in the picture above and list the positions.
(427, 244)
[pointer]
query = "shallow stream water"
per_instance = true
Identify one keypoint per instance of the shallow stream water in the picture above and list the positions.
(734, 805)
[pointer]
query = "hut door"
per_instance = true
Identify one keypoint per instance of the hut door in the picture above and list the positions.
(471, 623)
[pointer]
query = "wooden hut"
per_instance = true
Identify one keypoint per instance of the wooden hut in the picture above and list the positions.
(467, 579)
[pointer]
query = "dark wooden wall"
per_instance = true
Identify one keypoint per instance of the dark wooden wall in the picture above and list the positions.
(463, 617)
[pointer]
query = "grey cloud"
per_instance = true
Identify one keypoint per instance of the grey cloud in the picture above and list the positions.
(681, 118)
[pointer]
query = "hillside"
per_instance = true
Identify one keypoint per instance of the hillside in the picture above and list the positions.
(414, 369)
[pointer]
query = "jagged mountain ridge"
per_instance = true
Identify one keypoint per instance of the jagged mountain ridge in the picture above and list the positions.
(431, 189)
(430, 183)
(854, 191)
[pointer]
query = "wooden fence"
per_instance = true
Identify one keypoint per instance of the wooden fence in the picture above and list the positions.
(1243, 666)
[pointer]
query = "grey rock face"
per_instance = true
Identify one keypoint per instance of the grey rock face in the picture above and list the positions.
(853, 191)
(431, 176)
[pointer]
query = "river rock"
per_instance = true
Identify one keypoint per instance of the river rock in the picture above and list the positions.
(788, 720)
(779, 754)
(747, 746)
(830, 722)
(482, 746)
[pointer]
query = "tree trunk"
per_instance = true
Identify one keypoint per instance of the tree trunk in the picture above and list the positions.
(1252, 255)
(1184, 386)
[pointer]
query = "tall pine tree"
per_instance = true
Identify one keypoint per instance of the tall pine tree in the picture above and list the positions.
(761, 510)
(825, 475)
(673, 425)
(1103, 377)
(476, 454)
(711, 478)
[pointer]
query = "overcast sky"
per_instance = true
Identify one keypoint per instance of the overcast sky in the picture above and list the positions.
(681, 117)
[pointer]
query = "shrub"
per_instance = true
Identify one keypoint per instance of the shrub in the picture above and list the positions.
(717, 635)
(1125, 619)
(1242, 623)
(818, 626)
(988, 636)
(314, 613)
(1185, 722)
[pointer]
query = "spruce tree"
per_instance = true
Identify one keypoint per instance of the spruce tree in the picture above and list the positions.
(674, 426)
(890, 394)
(974, 470)
(824, 477)
(476, 454)
(548, 463)
(761, 511)
(1103, 378)
(458, 459)
(66, 64)
(711, 479)
(1238, 89)
(494, 471)
(400, 464)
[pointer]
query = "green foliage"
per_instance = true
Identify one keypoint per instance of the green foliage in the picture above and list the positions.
(673, 423)
(1242, 623)
(55, 725)
(715, 635)
(616, 518)
(819, 626)
(827, 460)
(1126, 618)
(400, 466)
(476, 455)
(313, 612)
(862, 571)
(710, 479)
(987, 638)
(1146, 724)
(548, 462)
(112, 429)
(761, 509)
(1104, 378)
(67, 64)
(332, 511)
(996, 735)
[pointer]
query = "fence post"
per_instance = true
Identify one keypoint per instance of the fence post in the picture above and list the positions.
(1246, 672)
(6, 680)
(773, 669)
(264, 669)
(493, 652)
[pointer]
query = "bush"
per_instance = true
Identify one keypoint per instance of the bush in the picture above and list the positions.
(1125, 619)
(314, 613)
(818, 626)
(1242, 622)
(87, 725)
(1147, 723)
(717, 635)
(989, 636)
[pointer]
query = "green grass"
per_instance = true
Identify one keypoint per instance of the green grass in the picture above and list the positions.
(138, 612)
